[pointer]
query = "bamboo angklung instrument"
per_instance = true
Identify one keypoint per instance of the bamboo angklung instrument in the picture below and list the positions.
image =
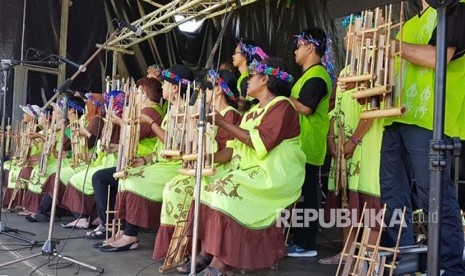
(340, 167)
(176, 127)
(8, 138)
(180, 240)
(78, 143)
(51, 133)
(130, 131)
(23, 148)
(105, 138)
(372, 53)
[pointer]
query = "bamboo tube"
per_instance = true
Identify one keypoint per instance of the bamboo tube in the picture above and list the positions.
(390, 112)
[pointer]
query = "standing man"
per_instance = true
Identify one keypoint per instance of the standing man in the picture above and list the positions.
(405, 148)
(310, 96)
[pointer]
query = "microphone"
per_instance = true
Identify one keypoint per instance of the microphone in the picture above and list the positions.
(124, 24)
(81, 68)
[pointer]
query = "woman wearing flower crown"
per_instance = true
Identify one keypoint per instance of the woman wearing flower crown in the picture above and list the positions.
(141, 192)
(93, 116)
(245, 53)
(16, 173)
(180, 189)
(80, 185)
(239, 230)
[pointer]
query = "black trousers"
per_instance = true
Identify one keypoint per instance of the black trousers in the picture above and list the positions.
(305, 237)
(103, 180)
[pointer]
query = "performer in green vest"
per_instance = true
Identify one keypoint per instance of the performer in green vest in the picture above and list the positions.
(361, 143)
(141, 193)
(180, 189)
(92, 131)
(245, 53)
(79, 194)
(19, 174)
(238, 226)
(310, 96)
(404, 171)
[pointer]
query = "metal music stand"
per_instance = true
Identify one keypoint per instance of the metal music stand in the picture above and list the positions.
(438, 147)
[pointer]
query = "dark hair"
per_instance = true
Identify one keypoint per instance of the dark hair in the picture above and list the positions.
(152, 88)
(78, 102)
(246, 50)
(230, 79)
(319, 36)
(181, 72)
(276, 85)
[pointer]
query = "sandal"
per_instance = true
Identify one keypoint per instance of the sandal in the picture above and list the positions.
(202, 263)
(211, 271)
(96, 234)
(332, 260)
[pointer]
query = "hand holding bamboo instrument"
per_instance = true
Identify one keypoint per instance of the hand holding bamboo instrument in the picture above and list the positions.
(370, 57)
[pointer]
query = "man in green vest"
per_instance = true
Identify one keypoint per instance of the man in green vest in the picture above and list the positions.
(405, 149)
(310, 96)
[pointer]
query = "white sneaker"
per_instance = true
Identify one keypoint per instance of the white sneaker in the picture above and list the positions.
(297, 251)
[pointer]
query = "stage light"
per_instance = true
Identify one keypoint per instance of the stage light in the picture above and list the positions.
(191, 26)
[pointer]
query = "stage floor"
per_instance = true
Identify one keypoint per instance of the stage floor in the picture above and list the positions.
(128, 262)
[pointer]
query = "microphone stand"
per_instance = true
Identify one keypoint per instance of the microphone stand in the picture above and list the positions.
(198, 175)
(7, 231)
(49, 247)
(438, 147)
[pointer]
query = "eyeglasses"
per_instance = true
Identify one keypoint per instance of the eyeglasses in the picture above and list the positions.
(298, 45)
(251, 74)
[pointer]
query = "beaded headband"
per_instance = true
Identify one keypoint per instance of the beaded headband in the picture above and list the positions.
(94, 101)
(250, 51)
(71, 104)
(261, 68)
(327, 59)
(222, 84)
(173, 76)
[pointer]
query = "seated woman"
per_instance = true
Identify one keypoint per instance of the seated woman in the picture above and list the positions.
(141, 193)
(238, 227)
(151, 93)
(180, 189)
(93, 106)
(78, 197)
(18, 170)
(34, 193)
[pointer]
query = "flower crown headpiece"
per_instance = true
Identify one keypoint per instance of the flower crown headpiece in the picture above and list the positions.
(309, 39)
(250, 51)
(327, 60)
(222, 84)
(279, 73)
(350, 19)
(118, 100)
(94, 100)
(173, 76)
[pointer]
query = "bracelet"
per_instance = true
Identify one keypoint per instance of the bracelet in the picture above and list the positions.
(356, 140)
(330, 136)
(153, 122)
(248, 139)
